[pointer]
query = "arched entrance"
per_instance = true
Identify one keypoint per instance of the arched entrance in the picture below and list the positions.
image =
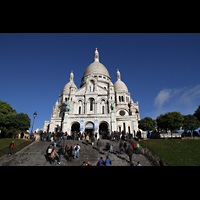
(89, 127)
(75, 127)
(56, 129)
(103, 128)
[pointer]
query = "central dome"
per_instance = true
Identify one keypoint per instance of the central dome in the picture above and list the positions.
(96, 68)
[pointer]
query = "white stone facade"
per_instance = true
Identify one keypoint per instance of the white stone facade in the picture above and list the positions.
(90, 105)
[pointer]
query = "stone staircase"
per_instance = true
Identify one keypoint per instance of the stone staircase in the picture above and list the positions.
(90, 153)
(34, 155)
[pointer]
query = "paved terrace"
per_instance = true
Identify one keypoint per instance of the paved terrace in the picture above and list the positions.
(34, 155)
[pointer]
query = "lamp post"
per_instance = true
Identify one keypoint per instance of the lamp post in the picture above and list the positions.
(34, 114)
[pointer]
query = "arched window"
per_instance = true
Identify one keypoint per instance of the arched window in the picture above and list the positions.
(103, 106)
(79, 106)
(91, 86)
(91, 104)
(102, 109)
(79, 110)
(122, 99)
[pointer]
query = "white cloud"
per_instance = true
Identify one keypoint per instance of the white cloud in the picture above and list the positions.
(162, 97)
(190, 96)
(184, 100)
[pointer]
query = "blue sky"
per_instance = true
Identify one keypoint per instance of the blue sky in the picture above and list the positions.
(161, 70)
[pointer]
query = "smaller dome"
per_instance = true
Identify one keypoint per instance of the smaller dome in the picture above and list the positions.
(67, 87)
(120, 86)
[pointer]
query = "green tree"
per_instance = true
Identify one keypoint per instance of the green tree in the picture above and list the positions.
(162, 122)
(170, 120)
(6, 117)
(146, 124)
(197, 113)
(22, 121)
(191, 123)
(6, 109)
(12, 122)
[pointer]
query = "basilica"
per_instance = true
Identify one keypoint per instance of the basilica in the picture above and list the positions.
(98, 105)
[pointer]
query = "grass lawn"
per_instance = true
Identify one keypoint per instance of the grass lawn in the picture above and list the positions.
(5, 142)
(176, 152)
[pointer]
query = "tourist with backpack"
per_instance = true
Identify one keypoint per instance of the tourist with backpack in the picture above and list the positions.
(87, 139)
(92, 140)
(111, 148)
(48, 152)
(53, 155)
(107, 147)
(107, 161)
(100, 162)
(125, 146)
(99, 144)
(134, 147)
(130, 153)
(11, 147)
(70, 153)
(137, 145)
(138, 164)
(60, 153)
(76, 150)
(121, 147)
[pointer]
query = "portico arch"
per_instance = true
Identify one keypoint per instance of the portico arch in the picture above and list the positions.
(75, 126)
(89, 127)
(103, 127)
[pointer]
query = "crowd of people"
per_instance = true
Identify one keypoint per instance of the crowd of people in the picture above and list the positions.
(73, 152)
(114, 136)
(70, 152)
(51, 154)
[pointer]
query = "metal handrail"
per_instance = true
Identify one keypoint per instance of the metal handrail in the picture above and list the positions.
(150, 154)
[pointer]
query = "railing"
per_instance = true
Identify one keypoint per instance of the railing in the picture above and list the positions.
(16, 148)
(168, 135)
(150, 154)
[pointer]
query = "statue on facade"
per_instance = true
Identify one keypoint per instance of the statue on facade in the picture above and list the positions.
(112, 105)
(67, 107)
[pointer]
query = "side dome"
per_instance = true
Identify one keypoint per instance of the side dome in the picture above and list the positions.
(70, 84)
(96, 67)
(120, 86)
(66, 88)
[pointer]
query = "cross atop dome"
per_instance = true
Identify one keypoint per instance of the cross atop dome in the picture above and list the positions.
(96, 56)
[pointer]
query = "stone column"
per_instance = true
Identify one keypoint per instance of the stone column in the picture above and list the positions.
(64, 123)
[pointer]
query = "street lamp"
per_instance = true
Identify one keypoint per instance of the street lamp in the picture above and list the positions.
(34, 114)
